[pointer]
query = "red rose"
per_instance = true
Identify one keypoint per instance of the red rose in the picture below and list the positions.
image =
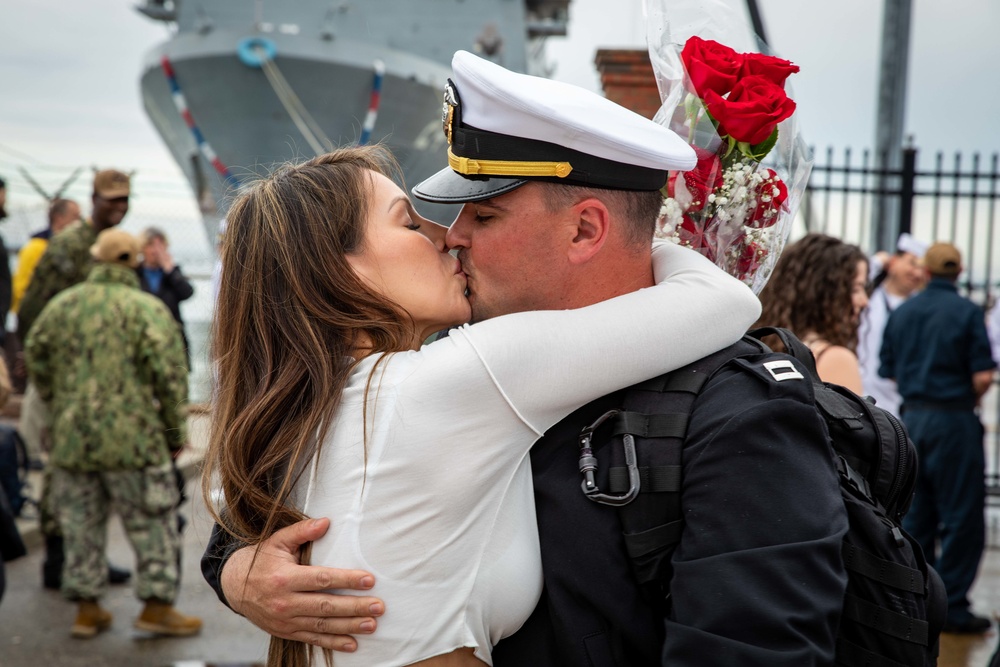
(753, 109)
(710, 65)
(774, 69)
(750, 260)
(771, 196)
(698, 235)
(696, 184)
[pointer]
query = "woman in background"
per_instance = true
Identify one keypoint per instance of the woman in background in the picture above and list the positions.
(161, 277)
(818, 291)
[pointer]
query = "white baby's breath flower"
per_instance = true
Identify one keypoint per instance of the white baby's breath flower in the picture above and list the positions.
(671, 215)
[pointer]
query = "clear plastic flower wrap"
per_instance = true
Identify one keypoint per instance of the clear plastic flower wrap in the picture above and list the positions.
(736, 206)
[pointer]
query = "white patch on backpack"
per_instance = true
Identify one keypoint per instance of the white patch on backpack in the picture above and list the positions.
(782, 370)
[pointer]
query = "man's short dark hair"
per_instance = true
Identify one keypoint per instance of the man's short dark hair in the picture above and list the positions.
(3, 183)
(639, 209)
(150, 234)
(58, 207)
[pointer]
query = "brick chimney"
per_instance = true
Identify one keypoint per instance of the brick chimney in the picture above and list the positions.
(627, 79)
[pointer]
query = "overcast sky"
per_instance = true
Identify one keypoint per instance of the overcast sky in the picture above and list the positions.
(954, 77)
(70, 73)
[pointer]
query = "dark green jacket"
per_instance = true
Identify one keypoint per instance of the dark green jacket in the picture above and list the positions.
(65, 263)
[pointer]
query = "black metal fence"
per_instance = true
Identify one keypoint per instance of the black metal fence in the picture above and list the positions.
(955, 200)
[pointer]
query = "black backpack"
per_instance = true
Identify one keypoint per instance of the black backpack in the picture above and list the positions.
(13, 468)
(894, 607)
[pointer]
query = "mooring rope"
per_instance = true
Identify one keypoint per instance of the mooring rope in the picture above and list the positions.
(297, 111)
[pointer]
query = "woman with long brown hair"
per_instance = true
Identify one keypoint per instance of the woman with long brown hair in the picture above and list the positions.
(818, 291)
(328, 404)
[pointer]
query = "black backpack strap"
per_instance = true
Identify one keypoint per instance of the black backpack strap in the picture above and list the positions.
(850, 654)
(886, 621)
(645, 455)
(793, 346)
(883, 571)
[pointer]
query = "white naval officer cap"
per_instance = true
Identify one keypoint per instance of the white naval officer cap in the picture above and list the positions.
(504, 129)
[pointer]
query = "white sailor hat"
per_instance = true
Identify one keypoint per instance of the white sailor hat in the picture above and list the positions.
(908, 243)
(505, 129)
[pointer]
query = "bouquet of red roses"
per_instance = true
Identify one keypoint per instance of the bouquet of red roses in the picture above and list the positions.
(733, 110)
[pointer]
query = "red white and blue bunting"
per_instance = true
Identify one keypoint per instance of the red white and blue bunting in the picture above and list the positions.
(376, 98)
(181, 103)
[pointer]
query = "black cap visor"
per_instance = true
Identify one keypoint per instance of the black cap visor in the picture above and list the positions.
(449, 187)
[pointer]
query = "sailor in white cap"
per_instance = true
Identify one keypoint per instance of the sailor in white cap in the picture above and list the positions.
(506, 130)
(896, 278)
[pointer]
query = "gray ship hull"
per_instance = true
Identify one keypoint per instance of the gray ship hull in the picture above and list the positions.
(241, 117)
(326, 51)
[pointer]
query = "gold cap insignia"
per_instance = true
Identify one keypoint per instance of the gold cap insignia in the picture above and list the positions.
(448, 110)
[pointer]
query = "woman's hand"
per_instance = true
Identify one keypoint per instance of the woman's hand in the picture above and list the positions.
(285, 599)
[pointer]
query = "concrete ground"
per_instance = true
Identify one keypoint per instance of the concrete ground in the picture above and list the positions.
(35, 622)
(975, 651)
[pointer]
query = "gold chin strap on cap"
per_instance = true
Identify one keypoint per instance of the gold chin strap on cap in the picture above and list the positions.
(470, 167)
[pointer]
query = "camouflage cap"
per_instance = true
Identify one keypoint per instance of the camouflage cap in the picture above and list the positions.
(116, 246)
(111, 184)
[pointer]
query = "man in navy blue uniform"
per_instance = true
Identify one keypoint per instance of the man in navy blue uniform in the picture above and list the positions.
(758, 575)
(937, 350)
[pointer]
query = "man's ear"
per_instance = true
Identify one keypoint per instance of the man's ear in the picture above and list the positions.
(592, 227)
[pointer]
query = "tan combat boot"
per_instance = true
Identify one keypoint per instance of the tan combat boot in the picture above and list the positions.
(162, 619)
(90, 620)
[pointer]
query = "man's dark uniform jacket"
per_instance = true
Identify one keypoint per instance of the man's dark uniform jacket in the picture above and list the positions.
(758, 574)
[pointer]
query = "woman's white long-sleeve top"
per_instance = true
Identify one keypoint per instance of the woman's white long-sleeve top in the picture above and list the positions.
(428, 485)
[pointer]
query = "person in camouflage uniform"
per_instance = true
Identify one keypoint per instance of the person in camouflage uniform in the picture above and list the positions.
(109, 360)
(67, 259)
(65, 263)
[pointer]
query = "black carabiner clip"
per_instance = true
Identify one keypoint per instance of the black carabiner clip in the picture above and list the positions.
(588, 466)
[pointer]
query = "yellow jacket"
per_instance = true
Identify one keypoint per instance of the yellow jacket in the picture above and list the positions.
(27, 260)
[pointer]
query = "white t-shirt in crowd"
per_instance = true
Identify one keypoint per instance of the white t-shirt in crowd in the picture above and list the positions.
(873, 321)
(993, 330)
(433, 494)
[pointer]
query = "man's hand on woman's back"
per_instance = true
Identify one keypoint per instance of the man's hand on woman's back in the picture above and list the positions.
(286, 599)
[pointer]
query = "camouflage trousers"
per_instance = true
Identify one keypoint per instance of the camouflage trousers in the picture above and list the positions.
(146, 501)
